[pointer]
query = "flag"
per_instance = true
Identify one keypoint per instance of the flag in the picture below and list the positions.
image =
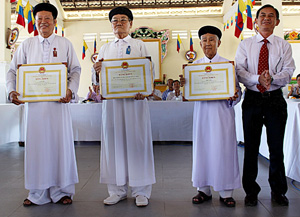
(95, 46)
(35, 30)
(178, 43)
(253, 2)
(191, 43)
(224, 26)
(231, 21)
(62, 32)
(27, 9)
(30, 22)
(242, 37)
(21, 19)
(12, 1)
(18, 5)
(56, 28)
(84, 48)
(249, 15)
(239, 22)
(227, 24)
(235, 17)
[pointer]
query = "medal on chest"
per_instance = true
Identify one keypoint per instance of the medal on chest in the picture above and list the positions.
(54, 52)
(128, 50)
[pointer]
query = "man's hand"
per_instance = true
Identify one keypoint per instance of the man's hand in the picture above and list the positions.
(67, 98)
(234, 97)
(182, 80)
(98, 66)
(139, 96)
(265, 79)
(13, 96)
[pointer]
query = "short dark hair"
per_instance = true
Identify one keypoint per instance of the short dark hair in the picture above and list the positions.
(45, 7)
(176, 81)
(297, 76)
(268, 6)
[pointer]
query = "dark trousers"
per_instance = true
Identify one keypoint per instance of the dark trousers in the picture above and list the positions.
(269, 109)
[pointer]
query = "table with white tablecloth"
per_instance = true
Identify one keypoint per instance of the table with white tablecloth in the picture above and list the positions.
(170, 121)
(291, 147)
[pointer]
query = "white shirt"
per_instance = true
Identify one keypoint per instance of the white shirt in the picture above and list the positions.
(31, 51)
(172, 97)
(155, 92)
(281, 63)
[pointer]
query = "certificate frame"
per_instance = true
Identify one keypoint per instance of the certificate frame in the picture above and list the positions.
(217, 81)
(124, 78)
(41, 82)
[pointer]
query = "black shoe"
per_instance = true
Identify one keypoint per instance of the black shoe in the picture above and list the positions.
(250, 200)
(281, 199)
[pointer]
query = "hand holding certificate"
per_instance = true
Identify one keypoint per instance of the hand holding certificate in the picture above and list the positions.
(124, 78)
(209, 81)
(42, 82)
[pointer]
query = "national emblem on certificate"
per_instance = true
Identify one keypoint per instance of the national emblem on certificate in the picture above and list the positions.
(42, 82)
(124, 78)
(209, 81)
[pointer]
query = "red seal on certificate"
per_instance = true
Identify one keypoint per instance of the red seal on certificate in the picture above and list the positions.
(208, 69)
(54, 52)
(124, 65)
(42, 69)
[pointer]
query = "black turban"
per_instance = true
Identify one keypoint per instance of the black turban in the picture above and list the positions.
(120, 10)
(45, 7)
(210, 29)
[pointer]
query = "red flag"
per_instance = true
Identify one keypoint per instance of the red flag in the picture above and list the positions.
(239, 23)
(35, 30)
(12, 1)
(56, 29)
(21, 19)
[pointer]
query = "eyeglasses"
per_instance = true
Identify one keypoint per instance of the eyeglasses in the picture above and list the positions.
(122, 20)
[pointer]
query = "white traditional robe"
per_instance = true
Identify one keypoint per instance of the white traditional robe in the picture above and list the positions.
(126, 142)
(215, 159)
(49, 151)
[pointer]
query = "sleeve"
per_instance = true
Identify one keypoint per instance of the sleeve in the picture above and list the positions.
(285, 67)
(100, 56)
(74, 70)
(241, 60)
(19, 58)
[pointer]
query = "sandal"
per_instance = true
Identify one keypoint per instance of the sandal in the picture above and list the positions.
(66, 200)
(28, 203)
(229, 201)
(201, 197)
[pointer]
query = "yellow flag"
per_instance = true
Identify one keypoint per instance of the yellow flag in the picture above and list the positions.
(19, 4)
(27, 9)
(249, 2)
(242, 6)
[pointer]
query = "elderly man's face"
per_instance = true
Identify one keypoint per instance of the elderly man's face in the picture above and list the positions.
(209, 44)
(45, 23)
(121, 24)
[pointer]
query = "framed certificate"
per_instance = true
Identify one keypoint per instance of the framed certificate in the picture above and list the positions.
(209, 81)
(124, 78)
(42, 82)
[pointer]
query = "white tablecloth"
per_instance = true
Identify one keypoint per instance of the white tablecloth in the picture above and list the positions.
(291, 138)
(170, 121)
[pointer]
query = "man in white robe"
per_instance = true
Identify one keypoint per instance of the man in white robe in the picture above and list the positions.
(215, 159)
(50, 164)
(126, 142)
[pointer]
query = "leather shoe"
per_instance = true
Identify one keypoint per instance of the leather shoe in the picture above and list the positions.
(141, 200)
(281, 199)
(250, 200)
(113, 199)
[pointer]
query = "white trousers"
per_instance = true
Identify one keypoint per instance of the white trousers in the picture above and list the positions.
(135, 191)
(53, 194)
(223, 194)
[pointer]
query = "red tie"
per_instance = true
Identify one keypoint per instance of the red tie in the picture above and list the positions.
(263, 63)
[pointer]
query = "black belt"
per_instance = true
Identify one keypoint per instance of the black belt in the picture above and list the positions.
(265, 94)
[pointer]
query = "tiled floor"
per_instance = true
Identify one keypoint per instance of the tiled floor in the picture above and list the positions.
(171, 195)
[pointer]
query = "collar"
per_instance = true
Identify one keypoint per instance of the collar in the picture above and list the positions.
(126, 39)
(259, 38)
(50, 38)
(214, 59)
